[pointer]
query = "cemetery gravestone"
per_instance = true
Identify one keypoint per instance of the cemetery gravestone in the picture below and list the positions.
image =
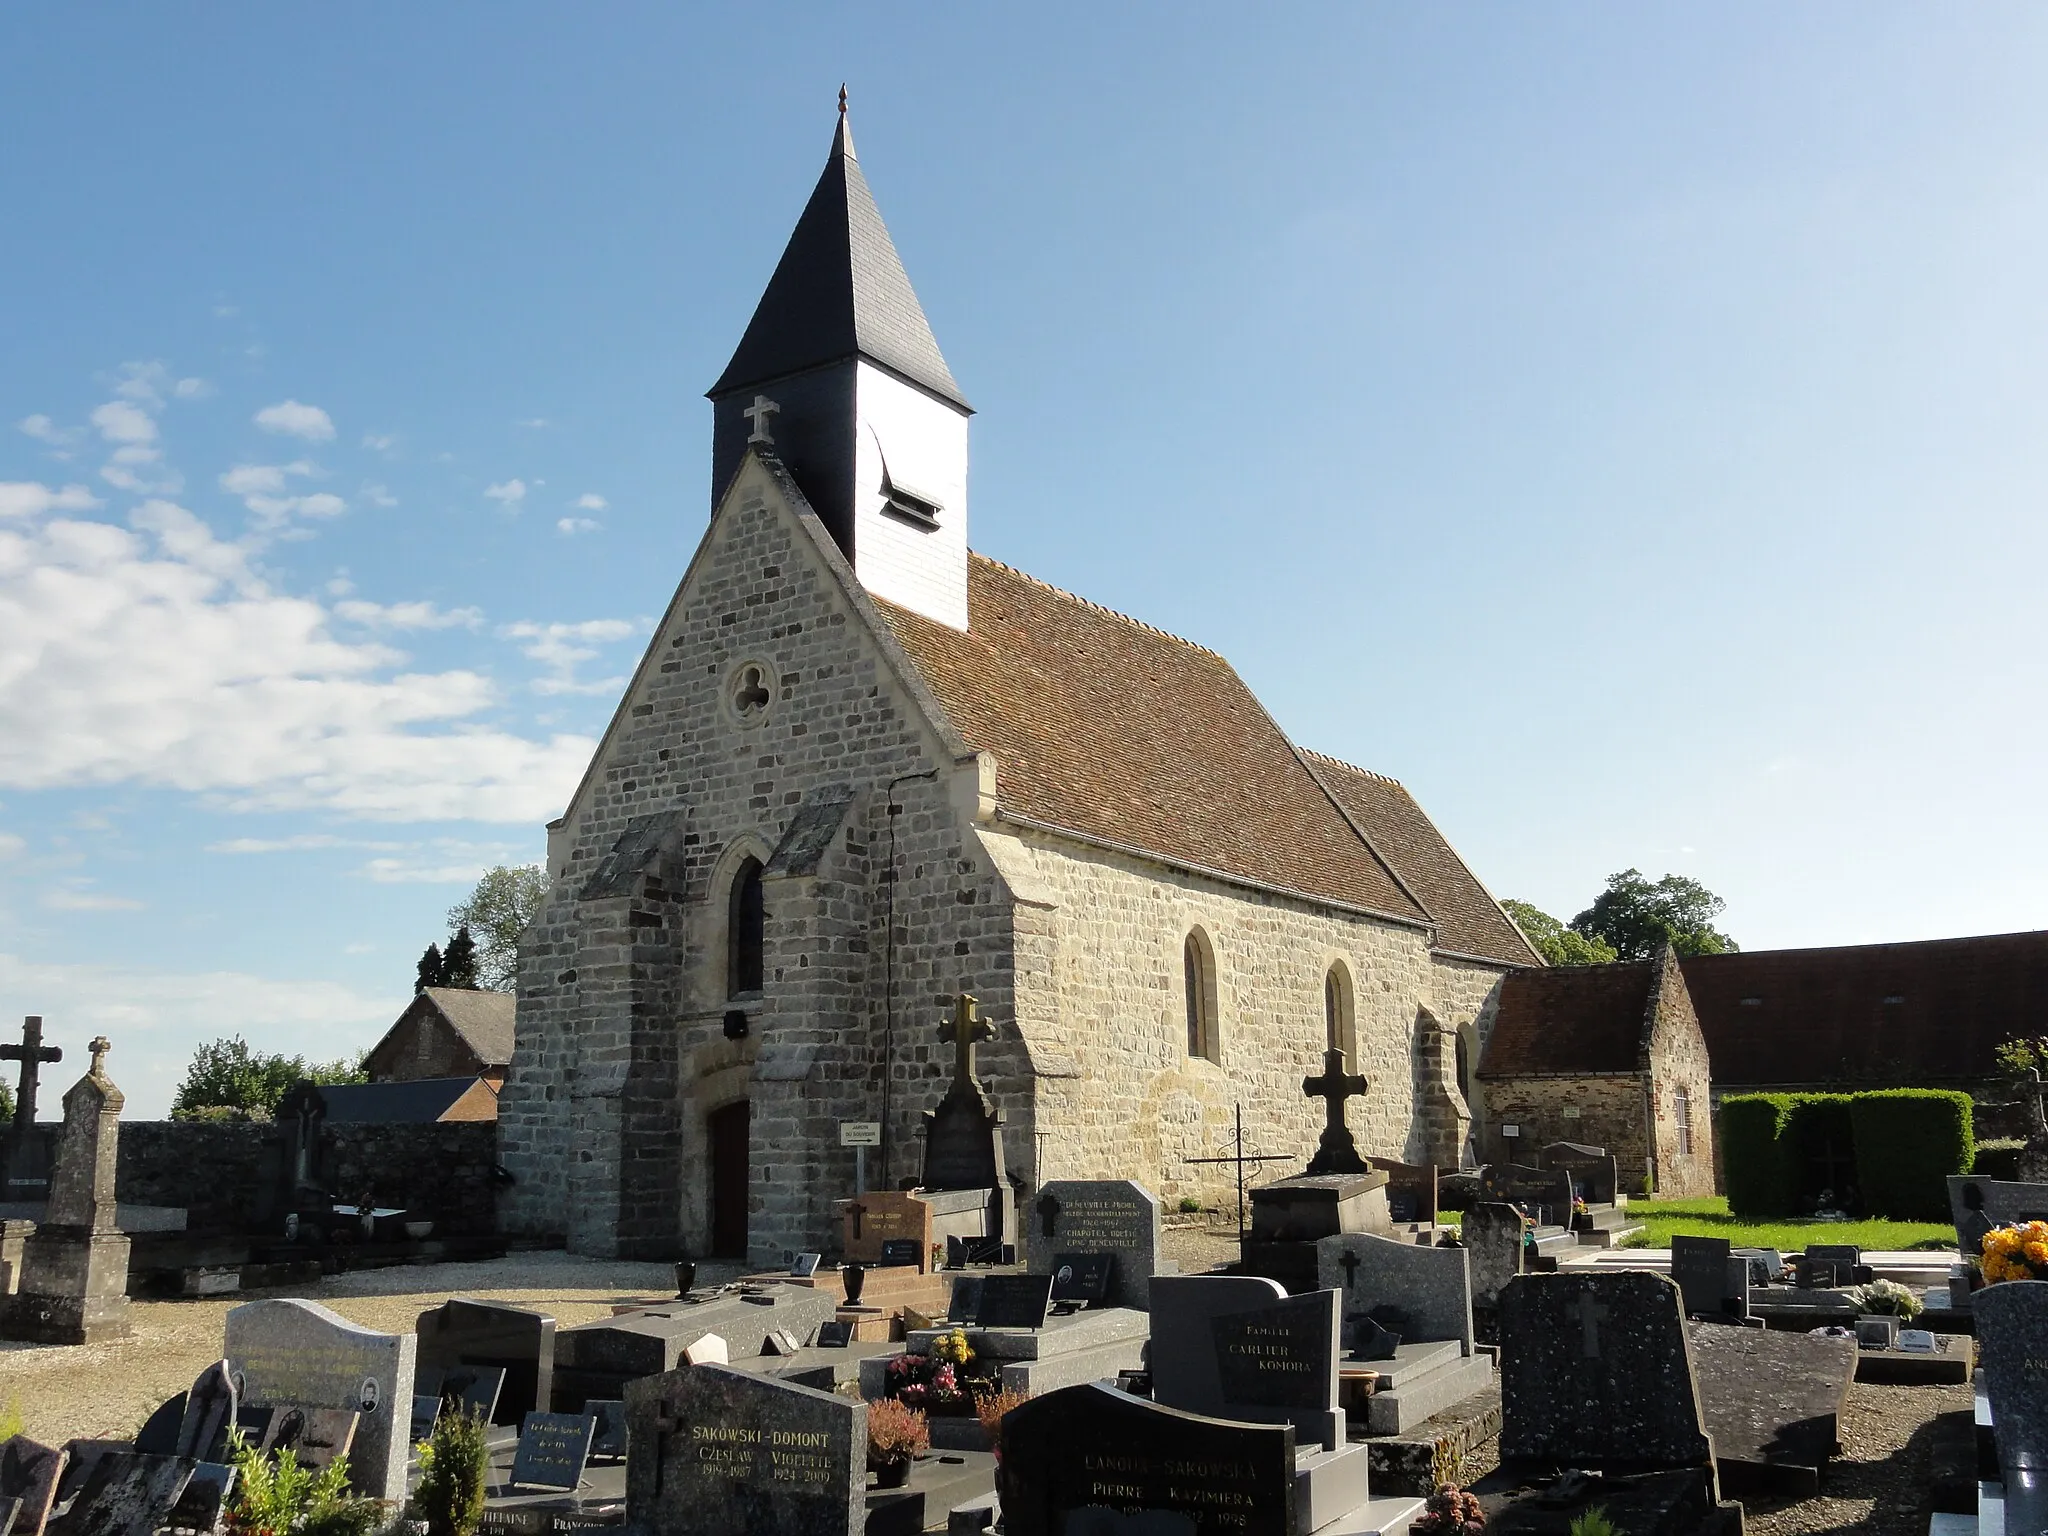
(1112, 1216)
(1013, 1301)
(1070, 1454)
(74, 1269)
(29, 1473)
(1844, 1259)
(464, 1332)
(1978, 1205)
(1592, 1170)
(716, 1451)
(902, 1251)
(1772, 1405)
(298, 1352)
(1431, 1286)
(608, 1438)
(1596, 1373)
(314, 1437)
(1492, 1233)
(1545, 1193)
(965, 1304)
(1411, 1189)
(204, 1501)
(1083, 1277)
(472, 1389)
(1707, 1284)
(553, 1450)
(1239, 1347)
(209, 1415)
(2012, 1343)
(124, 1494)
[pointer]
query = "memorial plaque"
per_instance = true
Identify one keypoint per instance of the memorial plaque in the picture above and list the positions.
(474, 1389)
(871, 1222)
(1091, 1458)
(771, 1458)
(1700, 1266)
(608, 1440)
(553, 1450)
(521, 1343)
(805, 1265)
(314, 1437)
(1115, 1216)
(965, 1304)
(1239, 1347)
(1278, 1356)
(1013, 1301)
(834, 1335)
(898, 1251)
(1083, 1277)
(1595, 1373)
(299, 1352)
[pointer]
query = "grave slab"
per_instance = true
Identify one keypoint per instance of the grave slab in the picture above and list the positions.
(125, 1494)
(1773, 1404)
(299, 1352)
(597, 1359)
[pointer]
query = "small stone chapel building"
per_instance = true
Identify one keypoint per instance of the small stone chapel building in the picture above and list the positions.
(861, 769)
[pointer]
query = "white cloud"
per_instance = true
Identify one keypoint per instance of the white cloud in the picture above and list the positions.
(191, 389)
(590, 501)
(47, 432)
(157, 655)
(575, 525)
(563, 647)
(156, 1019)
(292, 419)
(533, 422)
(88, 901)
(122, 421)
(11, 845)
(379, 443)
(258, 479)
(507, 492)
(406, 872)
(26, 498)
(378, 496)
(261, 487)
(292, 844)
(416, 615)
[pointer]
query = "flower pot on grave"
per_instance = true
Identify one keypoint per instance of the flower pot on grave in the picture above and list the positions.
(686, 1276)
(890, 1471)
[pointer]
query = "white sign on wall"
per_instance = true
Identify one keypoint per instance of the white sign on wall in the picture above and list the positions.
(860, 1133)
(1511, 1130)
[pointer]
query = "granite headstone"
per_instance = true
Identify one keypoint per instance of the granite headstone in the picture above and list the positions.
(1013, 1301)
(1545, 1193)
(1977, 1205)
(1239, 1347)
(1712, 1282)
(1114, 1216)
(1094, 1459)
(1492, 1233)
(29, 1472)
(209, 1415)
(2012, 1344)
(467, 1332)
(299, 1352)
(1432, 1287)
(716, 1451)
(1596, 1373)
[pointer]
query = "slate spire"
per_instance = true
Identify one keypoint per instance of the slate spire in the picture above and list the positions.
(839, 292)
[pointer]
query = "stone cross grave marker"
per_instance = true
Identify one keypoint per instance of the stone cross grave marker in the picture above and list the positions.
(74, 1270)
(1430, 1287)
(1239, 1347)
(716, 1451)
(962, 1146)
(1091, 1458)
(1113, 1216)
(466, 1332)
(2012, 1344)
(1596, 1373)
(31, 1053)
(299, 1353)
(1336, 1152)
(1492, 1234)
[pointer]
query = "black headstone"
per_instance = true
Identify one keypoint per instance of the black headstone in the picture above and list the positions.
(965, 1304)
(1091, 1458)
(465, 1332)
(1013, 1301)
(553, 1450)
(1277, 1356)
(609, 1439)
(159, 1433)
(1700, 1266)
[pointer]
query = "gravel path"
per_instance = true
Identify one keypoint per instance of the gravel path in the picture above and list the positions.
(109, 1389)
(1878, 1485)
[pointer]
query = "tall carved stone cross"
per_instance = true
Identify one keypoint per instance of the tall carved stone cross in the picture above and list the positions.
(1591, 1316)
(31, 1053)
(1336, 1152)
(99, 1047)
(964, 1029)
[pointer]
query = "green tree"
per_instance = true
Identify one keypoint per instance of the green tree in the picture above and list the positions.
(227, 1075)
(496, 913)
(430, 972)
(458, 961)
(1555, 942)
(6, 1105)
(1637, 917)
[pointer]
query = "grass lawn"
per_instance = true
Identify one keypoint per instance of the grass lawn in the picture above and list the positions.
(1664, 1219)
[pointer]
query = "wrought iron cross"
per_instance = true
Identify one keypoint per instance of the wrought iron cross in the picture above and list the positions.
(31, 1053)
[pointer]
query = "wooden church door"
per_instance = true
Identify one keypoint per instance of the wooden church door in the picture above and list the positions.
(729, 1159)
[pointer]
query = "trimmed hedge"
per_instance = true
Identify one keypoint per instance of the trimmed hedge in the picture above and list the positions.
(1904, 1143)
(1908, 1141)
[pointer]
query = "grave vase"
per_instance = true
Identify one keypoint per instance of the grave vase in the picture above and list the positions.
(890, 1471)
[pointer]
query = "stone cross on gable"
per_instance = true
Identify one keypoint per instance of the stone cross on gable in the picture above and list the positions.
(964, 1029)
(758, 414)
(1336, 1152)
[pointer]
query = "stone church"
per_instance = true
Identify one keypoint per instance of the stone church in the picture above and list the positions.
(862, 769)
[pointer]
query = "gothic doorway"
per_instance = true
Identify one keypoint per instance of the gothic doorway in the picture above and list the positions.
(728, 1134)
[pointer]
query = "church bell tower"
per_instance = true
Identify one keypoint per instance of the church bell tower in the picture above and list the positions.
(839, 376)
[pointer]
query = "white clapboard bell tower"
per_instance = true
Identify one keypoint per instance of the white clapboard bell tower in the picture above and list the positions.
(839, 376)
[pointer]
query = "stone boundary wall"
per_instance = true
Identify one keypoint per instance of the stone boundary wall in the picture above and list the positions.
(226, 1175)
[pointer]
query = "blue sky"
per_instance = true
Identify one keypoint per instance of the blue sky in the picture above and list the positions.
(1623, 425)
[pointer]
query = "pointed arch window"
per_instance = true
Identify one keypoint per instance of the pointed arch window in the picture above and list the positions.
(1340, 1028)
(1198, 983)
(746, 923)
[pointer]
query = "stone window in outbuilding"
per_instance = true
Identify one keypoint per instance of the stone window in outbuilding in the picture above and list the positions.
(746, 923)
(1340, 1028)
(1198, 980)
(1681, 1104)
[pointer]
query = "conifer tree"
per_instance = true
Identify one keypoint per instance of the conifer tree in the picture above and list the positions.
(458, 961)
(433, 970)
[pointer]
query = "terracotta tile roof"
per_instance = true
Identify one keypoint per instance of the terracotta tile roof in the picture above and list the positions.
(1124, 733)
(484, 1019)
(1470, 921)
(1570, 1018)
(1900, 1013)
